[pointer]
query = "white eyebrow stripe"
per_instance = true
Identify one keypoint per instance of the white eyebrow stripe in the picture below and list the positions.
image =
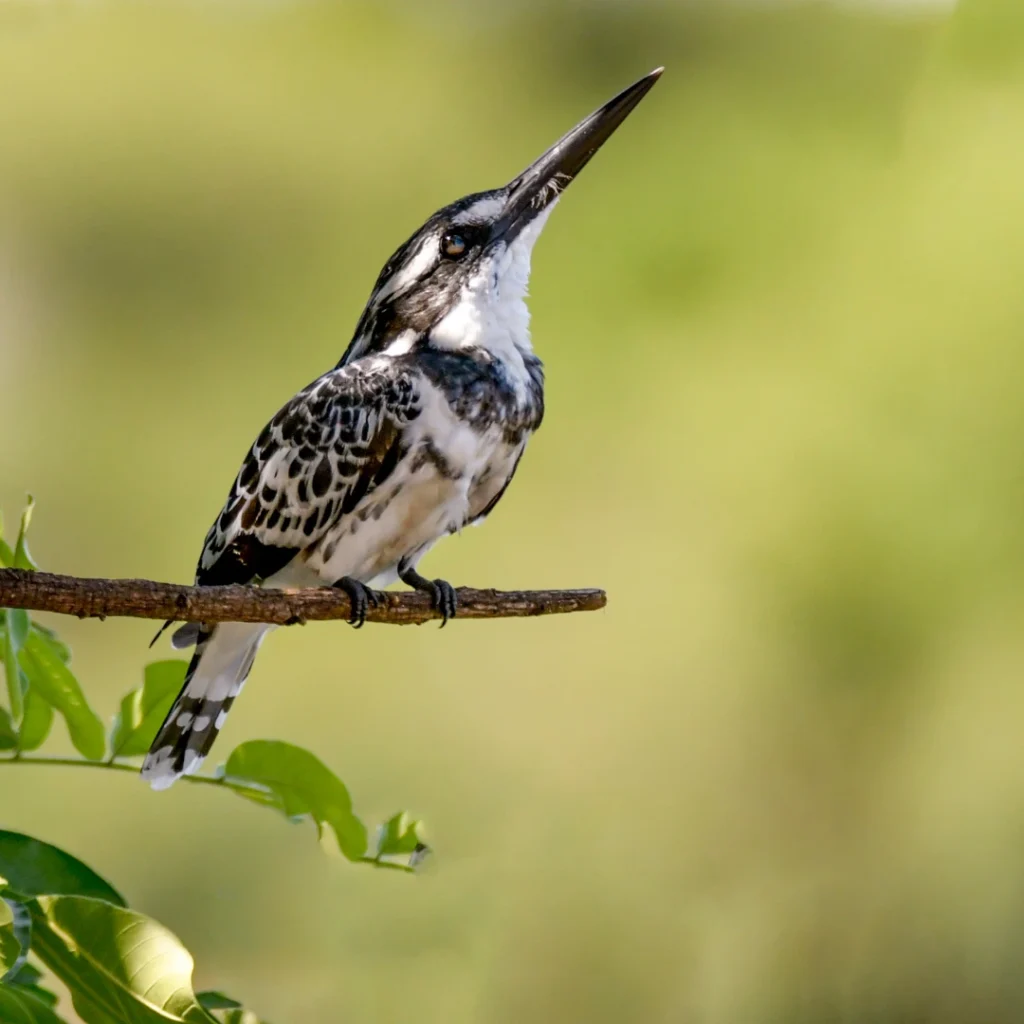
(482, 210)
(411, 271)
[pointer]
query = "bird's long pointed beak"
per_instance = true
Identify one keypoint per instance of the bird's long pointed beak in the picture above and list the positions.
(550, 174)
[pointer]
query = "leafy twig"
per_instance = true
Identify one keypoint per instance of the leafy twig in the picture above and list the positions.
(222, 781)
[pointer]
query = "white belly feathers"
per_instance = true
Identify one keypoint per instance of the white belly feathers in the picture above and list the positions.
(447, 465)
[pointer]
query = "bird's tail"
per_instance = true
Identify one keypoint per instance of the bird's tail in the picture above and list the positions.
(223, 658)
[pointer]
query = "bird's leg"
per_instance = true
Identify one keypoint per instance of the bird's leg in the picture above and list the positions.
(361, 596)
(442, 593)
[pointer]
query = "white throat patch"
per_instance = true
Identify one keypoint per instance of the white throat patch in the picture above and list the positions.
(491, 312)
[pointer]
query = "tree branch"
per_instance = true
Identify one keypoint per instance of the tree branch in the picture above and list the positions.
(145, 599)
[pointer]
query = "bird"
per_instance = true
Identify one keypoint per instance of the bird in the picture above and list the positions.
(415, 433)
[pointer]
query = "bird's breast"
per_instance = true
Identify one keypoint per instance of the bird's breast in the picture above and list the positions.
(482, 391)
(448, 473)
(457, 457)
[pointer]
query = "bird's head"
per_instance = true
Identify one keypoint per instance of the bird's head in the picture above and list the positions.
(461, 280)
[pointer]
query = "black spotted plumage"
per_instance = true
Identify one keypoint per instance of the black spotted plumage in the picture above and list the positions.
(281, 499)
(307, 467)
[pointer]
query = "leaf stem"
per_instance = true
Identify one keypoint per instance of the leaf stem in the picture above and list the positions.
(387, 865)
(81, 762)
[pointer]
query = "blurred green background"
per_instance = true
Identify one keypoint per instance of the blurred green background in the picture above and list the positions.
(781, 777)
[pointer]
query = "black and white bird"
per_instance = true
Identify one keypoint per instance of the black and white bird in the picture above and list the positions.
(416, 433)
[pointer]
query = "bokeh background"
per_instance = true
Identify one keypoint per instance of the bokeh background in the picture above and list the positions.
(781, 777)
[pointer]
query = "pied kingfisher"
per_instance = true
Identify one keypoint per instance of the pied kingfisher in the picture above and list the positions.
(416, 432)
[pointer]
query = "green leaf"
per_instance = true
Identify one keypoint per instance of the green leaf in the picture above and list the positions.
(118, 964)
(144, 709)
(36, 722)
(226, 1010)
(58, 686)
(21, 924)
(16, 629)
(27, 979)
(35, 714)
(58, 645)
(301, 784)
(398, 835)
(21, 1006)
(10, 946)
(28, 975)
(34, 868)
(8, 733)
(22, 558)
(236, 1016)
(6, 552)
(212, 1000)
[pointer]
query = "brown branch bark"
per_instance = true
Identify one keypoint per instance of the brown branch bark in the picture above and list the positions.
(98, 598)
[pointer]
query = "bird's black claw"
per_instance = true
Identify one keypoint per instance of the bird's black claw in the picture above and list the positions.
(445, 600)
(443, 597)
(362, 598)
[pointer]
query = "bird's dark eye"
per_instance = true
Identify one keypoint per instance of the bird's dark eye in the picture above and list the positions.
(453, 245)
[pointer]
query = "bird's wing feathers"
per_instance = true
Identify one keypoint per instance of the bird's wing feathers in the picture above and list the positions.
(332, 444)
(324, 451)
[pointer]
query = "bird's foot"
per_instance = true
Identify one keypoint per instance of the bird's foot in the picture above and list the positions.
(442, 594)
(362, 598)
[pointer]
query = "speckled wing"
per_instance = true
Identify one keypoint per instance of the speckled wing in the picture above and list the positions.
(323, 452)
(331, 445)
